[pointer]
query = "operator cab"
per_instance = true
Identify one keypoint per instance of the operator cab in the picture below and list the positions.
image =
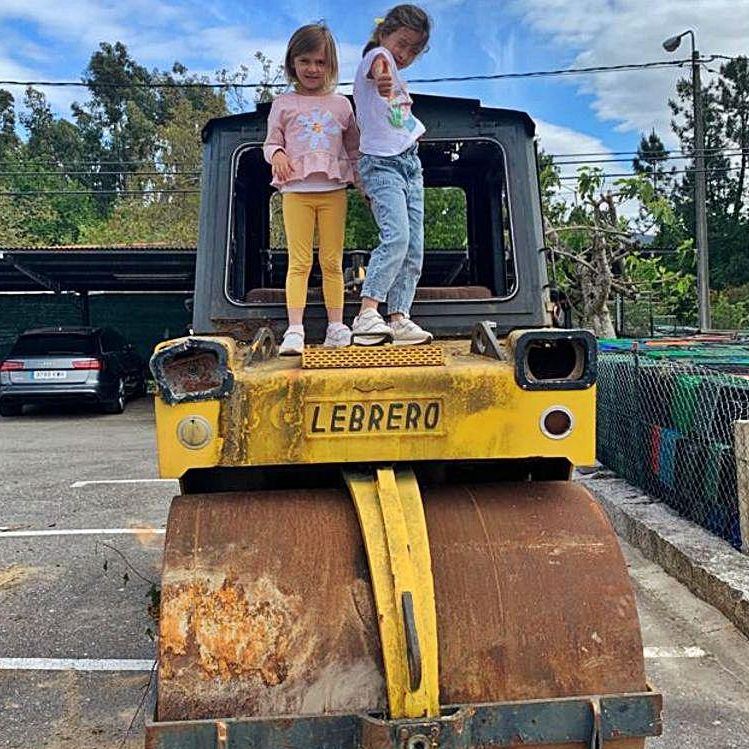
(484, 256)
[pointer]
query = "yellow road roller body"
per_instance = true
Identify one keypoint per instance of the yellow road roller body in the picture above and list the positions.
(437, 402)
(381, 547)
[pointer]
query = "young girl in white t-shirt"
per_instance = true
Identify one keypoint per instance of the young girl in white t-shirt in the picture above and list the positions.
(391, 177)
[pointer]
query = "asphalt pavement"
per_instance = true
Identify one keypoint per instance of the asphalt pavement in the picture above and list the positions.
(82, 514)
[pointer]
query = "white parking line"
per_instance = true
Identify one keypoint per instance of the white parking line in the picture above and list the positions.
(121, 664)
(74, 664)
(85, 532)
(676, 652)
(79, 484)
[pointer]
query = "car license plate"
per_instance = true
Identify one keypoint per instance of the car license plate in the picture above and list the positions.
(49, 374)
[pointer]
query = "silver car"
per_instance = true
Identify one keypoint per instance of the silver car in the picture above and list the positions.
(82, 364)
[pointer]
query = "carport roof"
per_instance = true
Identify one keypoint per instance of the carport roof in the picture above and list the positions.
(82, 268)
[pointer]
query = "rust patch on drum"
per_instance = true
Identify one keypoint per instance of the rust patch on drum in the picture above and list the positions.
(234, 631)
(266, 608)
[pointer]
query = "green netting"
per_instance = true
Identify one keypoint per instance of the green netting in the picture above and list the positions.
(665, 424)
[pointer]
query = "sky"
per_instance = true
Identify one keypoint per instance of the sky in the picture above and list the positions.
(47, 40)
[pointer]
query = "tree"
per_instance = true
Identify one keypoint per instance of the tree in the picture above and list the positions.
(119, 122)
(592, 245)
(733, 88)
(726, 119)
(651, 159)
(41, 186)
(8, 138)
(233, 83)
(164, 203)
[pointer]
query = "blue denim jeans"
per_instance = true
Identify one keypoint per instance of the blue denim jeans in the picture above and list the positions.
(395, 187)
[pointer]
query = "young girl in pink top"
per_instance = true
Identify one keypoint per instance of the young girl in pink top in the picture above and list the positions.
(312, 146)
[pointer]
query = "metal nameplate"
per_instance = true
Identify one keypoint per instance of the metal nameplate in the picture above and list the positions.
(381, 417)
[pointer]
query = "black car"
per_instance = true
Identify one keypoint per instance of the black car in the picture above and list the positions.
(55, 365)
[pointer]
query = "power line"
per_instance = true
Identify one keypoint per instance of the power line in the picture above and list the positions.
(729, 154)
(608, 175)
(94, 162)
(69, 173)
(674, 154)
(174, 191)
(443, 79)
(94, 193)
(688, 154)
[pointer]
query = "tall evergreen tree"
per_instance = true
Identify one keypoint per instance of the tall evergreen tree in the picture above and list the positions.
(651, 161)
(733, 88)
(726, 141)
(8, 137)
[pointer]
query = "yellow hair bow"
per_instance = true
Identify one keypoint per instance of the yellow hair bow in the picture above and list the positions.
(378, 21)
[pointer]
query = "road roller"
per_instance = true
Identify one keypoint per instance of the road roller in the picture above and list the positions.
(381, 547)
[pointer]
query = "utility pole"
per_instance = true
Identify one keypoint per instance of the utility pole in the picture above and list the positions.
(700, 196)
(700, 190)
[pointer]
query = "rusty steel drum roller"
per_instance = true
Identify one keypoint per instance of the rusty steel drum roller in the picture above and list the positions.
(267, 605)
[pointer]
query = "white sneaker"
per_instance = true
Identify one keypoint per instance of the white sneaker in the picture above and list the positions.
(337, 335)
(369, 329)
(292, 344)
(407, 333)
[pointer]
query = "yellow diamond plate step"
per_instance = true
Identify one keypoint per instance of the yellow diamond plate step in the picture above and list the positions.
(318, 357)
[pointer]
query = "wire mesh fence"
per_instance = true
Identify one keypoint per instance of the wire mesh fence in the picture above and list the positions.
(649, 316)
(668, 427)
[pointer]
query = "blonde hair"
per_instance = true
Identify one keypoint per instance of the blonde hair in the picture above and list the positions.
(308, 39)
(401, 16)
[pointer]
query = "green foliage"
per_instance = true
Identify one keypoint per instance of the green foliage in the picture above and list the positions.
(124, 169)
(9, 141)
(445, 226)
(651, 162)
(361, 229)
(445, 222)
(672, 287)
(726, 120)
(729, 313)
(41, 205)
(167, 209)
(596, 252)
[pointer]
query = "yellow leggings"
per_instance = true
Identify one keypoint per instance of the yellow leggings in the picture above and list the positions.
(300, 212)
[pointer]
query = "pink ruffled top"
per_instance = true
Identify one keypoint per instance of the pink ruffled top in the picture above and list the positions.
(319, 136)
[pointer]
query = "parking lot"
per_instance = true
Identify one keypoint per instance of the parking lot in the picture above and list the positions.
(81, 530)
(76, 565)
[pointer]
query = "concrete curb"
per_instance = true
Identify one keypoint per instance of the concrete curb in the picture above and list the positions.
(711, 568)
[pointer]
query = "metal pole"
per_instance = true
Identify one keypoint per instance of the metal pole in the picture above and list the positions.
(700, 197)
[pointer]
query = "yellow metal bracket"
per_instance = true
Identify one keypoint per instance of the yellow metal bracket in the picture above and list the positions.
(391, 515)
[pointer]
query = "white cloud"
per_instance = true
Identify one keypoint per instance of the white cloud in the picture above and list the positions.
(59, 98)
(202, 36)
(84, 21)
(612, 32)
(557, 140)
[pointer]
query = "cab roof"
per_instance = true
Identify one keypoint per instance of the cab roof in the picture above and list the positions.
(427, 107)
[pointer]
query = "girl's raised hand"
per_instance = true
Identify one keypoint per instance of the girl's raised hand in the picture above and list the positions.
(382, 78)
(280, 166)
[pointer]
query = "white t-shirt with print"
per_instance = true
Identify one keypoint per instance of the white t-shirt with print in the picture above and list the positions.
(387, 126)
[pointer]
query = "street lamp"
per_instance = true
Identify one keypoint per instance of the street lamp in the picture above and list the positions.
(700, 191)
